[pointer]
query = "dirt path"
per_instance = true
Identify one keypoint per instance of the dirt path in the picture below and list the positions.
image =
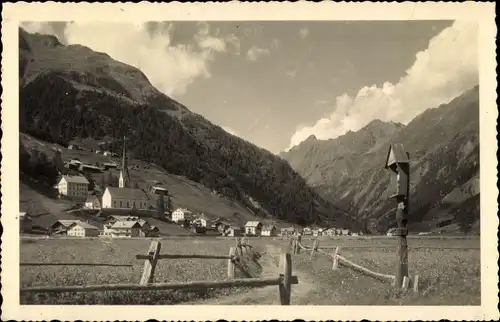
(267, 295)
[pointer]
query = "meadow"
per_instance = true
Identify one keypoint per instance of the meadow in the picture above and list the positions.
(449, 270)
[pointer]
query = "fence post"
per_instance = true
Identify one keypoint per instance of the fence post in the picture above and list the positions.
(230, 263)
(415, 284)
(313, 249)
(294, 246)
(299, 241)
(285, 288)
(150, 263)
(406, 283)
(335, 264)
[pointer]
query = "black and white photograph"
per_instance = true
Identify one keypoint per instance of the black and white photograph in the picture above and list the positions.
(251, 162)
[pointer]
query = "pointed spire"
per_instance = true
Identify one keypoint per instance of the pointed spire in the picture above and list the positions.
(124, 181)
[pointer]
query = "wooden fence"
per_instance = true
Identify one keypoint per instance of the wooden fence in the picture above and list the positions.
(338, 260)
(284, 280)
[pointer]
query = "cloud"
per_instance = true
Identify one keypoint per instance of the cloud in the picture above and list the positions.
(230, 130)
(303, 33)
(255, 52)
(170, 68)
(447, 68)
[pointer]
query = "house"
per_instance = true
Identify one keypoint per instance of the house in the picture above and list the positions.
(346, 232)
(145, 227)
(93, 202)
(73, 186)
(124, 198)
(82, 229)
(233, 231)
(107, 153)
(128, 228)
(153, 231)
(316, 232)
(73, 147)
(253, 228)
(180, 214)
(329, 232)
(114, 218)
(25, 223)
(98, 152)
(61, 226)
(307, 231)
(268, 230)
(287, 231)
(202, 220)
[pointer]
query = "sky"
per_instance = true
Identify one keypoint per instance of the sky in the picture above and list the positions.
(276, 83)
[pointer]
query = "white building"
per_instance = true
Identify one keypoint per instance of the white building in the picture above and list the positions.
(180, 213)
(124, 198)
(73, 186)
(253, 228)
(125, 229)
(202, 220)
(82, 229)
(268, 230)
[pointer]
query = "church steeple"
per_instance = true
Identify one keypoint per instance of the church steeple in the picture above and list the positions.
(124, 181)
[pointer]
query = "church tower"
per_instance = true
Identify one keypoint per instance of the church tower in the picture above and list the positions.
(124, 181)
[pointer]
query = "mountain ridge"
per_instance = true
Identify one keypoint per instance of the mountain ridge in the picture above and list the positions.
(438, 139)
(72, 91)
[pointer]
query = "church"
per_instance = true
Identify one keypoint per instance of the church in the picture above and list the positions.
(124, 197)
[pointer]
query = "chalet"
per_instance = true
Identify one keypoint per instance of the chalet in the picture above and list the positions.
(114, 218)
(125, 229)
(82, 229)
(253, 228)
(233, 231)
(73, 186)
(355, 234)
(124, 198)
(25, 223)
(202, 220)
(61, 226)
(93, 202)
(268, 230)
(316, 232)
(145, 227)
(287, 231)
(89, 168)
(329, 232)
(180, 214)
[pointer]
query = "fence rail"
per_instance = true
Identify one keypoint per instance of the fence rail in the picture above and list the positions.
(284, 280)
(338, 260)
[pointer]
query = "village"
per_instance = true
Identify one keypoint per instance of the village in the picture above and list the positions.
(124, 211)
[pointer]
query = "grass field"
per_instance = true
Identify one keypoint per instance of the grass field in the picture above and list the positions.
(447, 276)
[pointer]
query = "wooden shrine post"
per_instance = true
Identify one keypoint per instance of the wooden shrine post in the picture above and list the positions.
(398, 162)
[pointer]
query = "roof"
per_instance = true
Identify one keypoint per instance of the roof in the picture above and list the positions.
(75, 179)
(160, 188)
(127, 193)
(84, 225)
(24, 216)
(268, 227)
(396, 154)
(184, 210)
(154, 228)
(252, 223)
(65, 222)
(288, 229)
(126, 224)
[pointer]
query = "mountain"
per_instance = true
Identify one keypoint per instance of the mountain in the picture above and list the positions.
(443, 143)
(69, 92)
